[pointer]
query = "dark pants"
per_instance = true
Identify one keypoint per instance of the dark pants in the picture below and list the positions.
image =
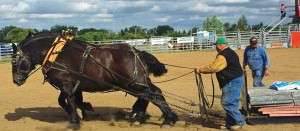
(282, 14)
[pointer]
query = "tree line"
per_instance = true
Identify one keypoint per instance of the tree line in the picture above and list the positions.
(13, 34)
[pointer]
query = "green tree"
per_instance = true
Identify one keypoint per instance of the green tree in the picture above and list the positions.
(226, 26)
(17, 34)
(129, 35)
(242, 24)
(93, 36)
(83, 31)
(212, 23)
(4, 31)
(233, 27)
(164, 30)
(195, 30)
(257, 26)
(152, 32)
(58, 28)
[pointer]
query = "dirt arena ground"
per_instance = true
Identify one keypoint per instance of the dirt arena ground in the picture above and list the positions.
(34, 106)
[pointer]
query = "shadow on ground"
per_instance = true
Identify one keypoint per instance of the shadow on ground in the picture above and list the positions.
(57, 114)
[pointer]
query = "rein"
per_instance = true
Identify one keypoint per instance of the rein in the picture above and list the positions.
(177, 76)
(203, 100)
(87, 55)
(33, 72)
(202, 95)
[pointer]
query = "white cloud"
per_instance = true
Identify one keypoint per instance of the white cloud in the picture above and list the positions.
(202, 7)
(95, 20)
(52, 16)
(231, 1)
(195, 17)
(21, 7)
(5, 8)
(139, 3)
(155, 8)
(8, 16)
(180, 19)
(103, 15)
(82, 6)
(162, 20)
(123, 13)
(23, 20)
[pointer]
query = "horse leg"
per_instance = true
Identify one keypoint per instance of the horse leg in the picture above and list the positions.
(138, 112)
(62, 102)
(82, 105)
(152, 94)
(155, 96)
(67, 89)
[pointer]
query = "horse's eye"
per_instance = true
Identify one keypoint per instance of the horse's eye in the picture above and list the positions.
(13, 62)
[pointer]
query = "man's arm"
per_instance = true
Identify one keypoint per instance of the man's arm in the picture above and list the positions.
(266, 59)
(245, 58)
(217, 65)
(266, 62)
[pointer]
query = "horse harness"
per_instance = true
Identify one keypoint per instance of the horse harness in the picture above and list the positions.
(57, 46)
(50, 63)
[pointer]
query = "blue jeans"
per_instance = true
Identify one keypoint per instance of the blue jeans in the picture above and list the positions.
(230, 102)
(257, 76)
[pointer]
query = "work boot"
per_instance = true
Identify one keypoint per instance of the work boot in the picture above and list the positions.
(224, 128)
(236, 127)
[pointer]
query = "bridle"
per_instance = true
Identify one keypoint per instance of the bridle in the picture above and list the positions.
(23, 72)
(16, 62)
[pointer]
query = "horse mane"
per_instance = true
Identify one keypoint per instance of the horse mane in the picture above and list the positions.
(38, 35)
(154, 66)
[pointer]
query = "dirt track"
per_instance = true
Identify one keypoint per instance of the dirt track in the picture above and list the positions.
(33, 106)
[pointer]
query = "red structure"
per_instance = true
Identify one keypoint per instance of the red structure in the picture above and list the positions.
(297, 9)
(295, 39)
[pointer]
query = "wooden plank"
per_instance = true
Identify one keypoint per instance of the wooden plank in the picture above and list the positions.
(288, 104)
(279, 108)
(286, 109)
(281, 112)
(264, 91)
(278, 115)
(271, 102)
(272, 98)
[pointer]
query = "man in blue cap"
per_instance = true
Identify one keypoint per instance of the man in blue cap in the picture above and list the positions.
(258, 60)
(230, 77)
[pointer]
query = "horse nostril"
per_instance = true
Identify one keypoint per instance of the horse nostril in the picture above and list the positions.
(20, 78)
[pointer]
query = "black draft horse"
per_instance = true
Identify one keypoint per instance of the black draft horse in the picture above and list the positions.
(80, 66)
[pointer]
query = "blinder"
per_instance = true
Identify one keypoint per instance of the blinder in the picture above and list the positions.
(20, 64)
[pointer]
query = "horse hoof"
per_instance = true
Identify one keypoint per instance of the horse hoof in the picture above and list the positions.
(88, 106)
(74, 126)
(135, 123)
(167, 124)
(84, 118)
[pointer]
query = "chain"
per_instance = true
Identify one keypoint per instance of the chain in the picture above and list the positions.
(158, 102)
(191, 102)
(174, 106)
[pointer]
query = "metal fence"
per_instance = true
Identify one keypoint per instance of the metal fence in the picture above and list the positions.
(275, 39)
(236, 40)
(6, 51)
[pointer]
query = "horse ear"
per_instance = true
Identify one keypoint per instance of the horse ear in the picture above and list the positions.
(15, 48)
(30, 34)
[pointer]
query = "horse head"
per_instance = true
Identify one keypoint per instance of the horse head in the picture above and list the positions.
(27, 54)
(21, 66)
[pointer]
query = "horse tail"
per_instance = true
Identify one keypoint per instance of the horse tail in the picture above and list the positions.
(154, 66)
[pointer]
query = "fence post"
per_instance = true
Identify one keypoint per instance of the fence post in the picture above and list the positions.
(239, 41)
(263, 42)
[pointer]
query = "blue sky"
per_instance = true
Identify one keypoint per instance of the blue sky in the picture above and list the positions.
(119, 14)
